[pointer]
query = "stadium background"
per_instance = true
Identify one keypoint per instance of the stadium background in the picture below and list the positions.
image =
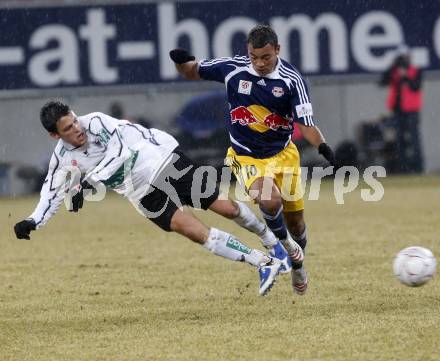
(95, 53)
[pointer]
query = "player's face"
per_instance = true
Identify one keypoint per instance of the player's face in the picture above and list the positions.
(70, 130)
(264, 59)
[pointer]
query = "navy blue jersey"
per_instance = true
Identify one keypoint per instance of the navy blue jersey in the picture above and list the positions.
(262, 109)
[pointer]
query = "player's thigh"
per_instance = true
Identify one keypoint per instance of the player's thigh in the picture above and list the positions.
(288, 179)
(158, 208)
(186, 224)
(248, 170)
(291, 190)
(196, 188)
(266, 193)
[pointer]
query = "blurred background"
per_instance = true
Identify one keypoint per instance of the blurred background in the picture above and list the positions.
(112, 56)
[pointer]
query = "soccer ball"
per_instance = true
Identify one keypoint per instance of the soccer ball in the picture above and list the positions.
(414, 266)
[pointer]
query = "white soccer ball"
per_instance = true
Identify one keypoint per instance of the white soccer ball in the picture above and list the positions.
(414, 266)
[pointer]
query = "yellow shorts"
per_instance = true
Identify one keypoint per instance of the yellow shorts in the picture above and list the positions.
(283, 167)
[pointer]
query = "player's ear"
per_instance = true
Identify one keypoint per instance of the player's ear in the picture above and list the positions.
(277, 49)
(54, 135)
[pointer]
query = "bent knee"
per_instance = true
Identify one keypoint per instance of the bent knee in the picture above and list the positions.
(271, 206)
(177, 223)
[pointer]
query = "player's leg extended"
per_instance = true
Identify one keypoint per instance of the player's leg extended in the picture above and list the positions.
(247, 170)
(225, 245)
(241, 214)
(268, 197)
(289, 181)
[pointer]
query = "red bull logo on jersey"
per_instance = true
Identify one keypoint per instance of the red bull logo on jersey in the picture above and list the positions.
(259, 118)
(242, 115)
(274, 122)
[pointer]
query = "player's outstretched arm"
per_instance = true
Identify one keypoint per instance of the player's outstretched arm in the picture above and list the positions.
(185, 64)
(314, 136)
(51, 196)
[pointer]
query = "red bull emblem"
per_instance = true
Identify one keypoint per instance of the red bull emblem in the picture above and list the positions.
(74, 163)
(259, 120)
(242, 115)
(274, 121)
(277, 91)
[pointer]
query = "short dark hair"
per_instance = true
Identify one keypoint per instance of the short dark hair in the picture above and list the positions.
(261, 35)
(51, 112)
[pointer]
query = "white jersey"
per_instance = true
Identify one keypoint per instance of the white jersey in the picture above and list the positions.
(123, 156)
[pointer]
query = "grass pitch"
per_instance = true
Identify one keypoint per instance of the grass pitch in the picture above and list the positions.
(105, 284)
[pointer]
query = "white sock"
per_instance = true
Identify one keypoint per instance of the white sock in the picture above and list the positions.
(225, 245)
(268, 238)
(247, 219)
(291, 246)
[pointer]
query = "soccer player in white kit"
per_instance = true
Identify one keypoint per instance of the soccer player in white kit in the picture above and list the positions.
(146, 166)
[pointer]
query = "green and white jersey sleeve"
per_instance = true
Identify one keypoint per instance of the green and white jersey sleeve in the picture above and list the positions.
(54, 186)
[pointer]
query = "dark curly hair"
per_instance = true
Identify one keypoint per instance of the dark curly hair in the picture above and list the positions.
(51, 112)
(261, 35)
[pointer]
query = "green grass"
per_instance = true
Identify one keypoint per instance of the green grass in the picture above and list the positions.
(105, 284)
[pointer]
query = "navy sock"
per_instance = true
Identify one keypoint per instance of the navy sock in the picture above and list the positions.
(275, 223)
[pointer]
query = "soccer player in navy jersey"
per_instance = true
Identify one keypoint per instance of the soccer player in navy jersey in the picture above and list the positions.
(266, 96)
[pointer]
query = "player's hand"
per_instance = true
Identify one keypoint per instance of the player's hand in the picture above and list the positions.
(23, 229)
(327, 152)
(181, 56)
(78, 197)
